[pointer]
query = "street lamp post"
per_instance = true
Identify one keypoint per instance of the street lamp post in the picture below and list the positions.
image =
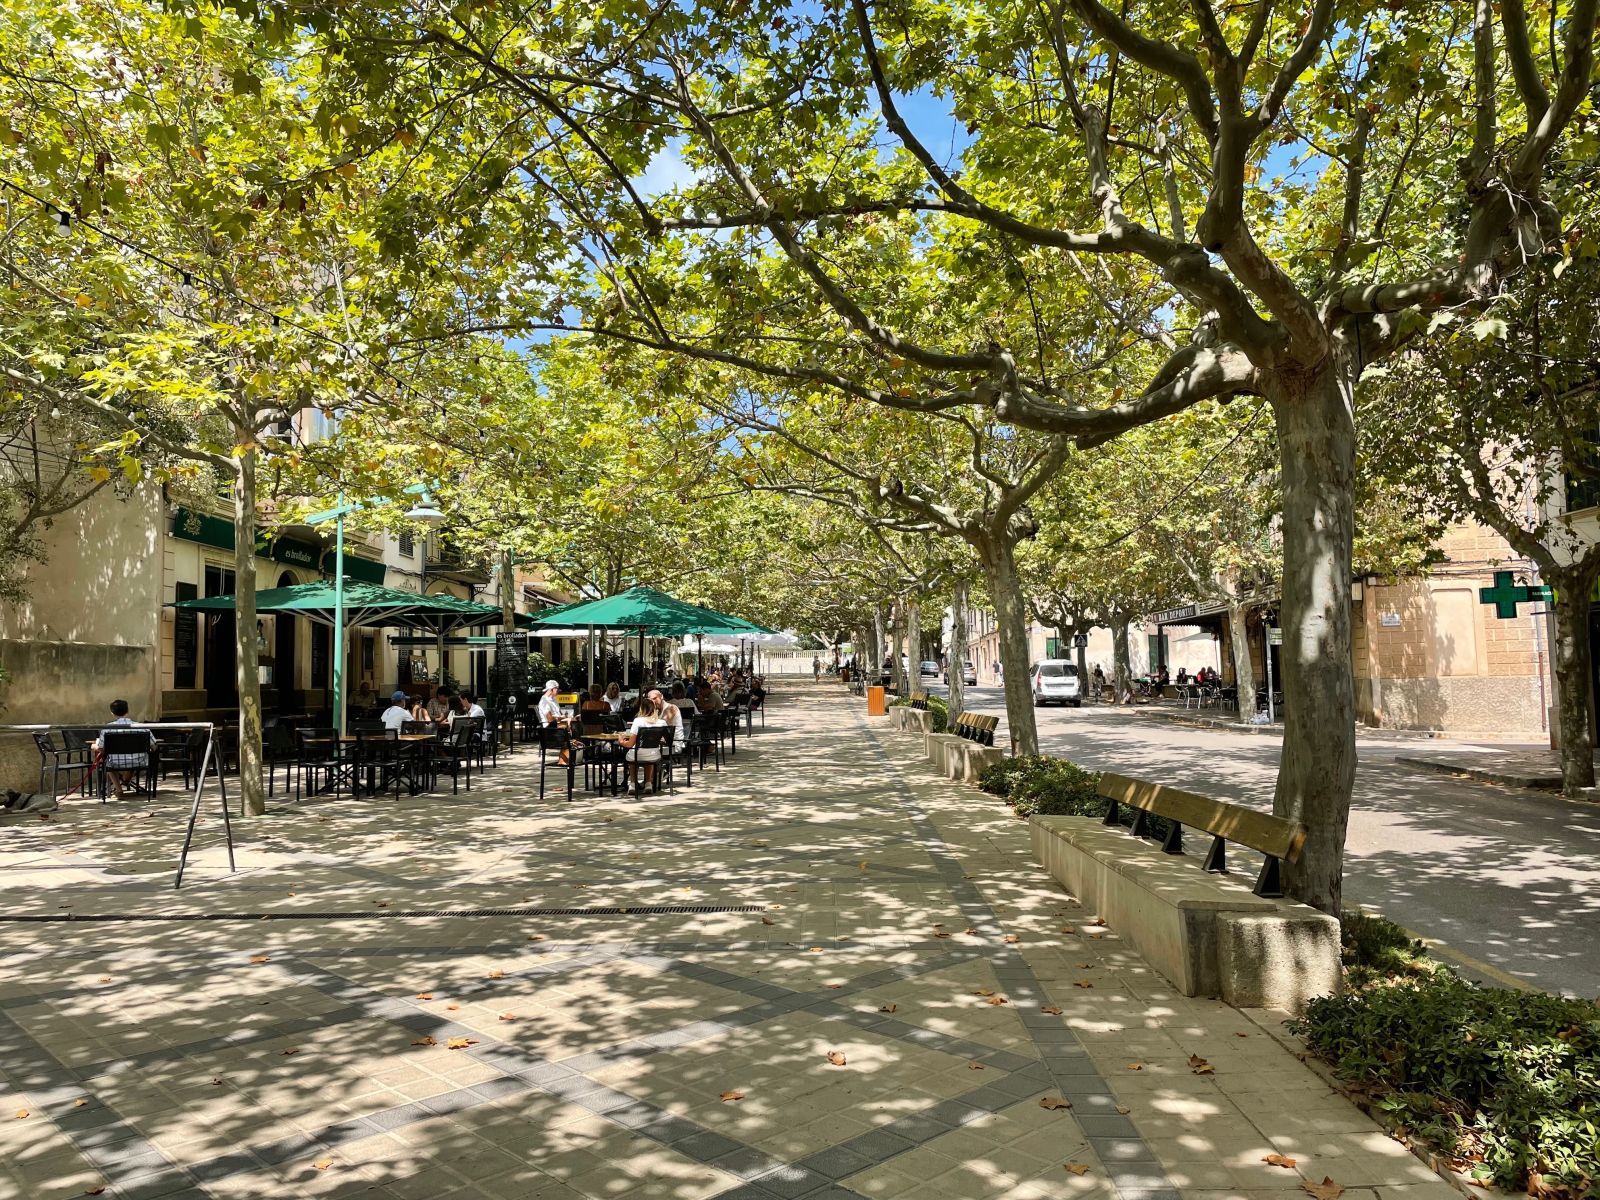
(422, 511)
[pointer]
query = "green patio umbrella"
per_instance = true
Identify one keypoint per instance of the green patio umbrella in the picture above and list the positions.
(649, 613)
(364, 604)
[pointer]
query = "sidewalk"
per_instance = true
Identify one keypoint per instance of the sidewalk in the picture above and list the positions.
(1509, 766)
(293, 1034)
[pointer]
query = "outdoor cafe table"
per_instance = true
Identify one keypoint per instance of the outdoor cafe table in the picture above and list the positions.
(613, 761)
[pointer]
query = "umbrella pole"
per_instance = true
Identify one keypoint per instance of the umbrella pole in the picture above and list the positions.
(338, 621)
(591, 656)
(700, 660)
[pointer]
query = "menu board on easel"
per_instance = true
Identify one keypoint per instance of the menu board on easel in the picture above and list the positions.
(510, 675)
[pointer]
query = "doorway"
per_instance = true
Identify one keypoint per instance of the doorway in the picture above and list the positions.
(222, 650)
(285, 652)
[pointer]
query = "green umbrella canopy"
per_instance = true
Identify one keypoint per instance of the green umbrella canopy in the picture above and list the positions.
(364, 604)
(645, 609)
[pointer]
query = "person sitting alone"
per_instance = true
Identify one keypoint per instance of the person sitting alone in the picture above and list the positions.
(398, 713)
(549, 706)
(120, 767)
(595, 701)
(614, 697)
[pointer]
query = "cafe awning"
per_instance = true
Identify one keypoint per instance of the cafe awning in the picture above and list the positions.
(647, 611)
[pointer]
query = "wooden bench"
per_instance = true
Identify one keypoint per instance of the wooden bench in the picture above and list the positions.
(1278, 840)
(919, 700)
(976, 727)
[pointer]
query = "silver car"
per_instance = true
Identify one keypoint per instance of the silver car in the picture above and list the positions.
(1055, 680)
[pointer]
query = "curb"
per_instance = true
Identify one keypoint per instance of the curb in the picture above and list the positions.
(1547, 783)
(1271, 1023)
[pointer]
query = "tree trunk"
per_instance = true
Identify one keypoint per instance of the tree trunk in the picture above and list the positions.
(914, 643)
(1572, 670)
(1083, 660)
(954, 680)
(253, 799)
(1317, 442)
(1121, 669)
(1244, 672)
(1010, 611)
(877, 646)
(897, 637)
(508, 596)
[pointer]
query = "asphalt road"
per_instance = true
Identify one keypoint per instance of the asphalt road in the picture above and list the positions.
(1508, 880)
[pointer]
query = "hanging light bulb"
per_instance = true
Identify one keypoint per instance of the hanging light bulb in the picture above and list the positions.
(188, 279)
(63, 221)
(55, 413)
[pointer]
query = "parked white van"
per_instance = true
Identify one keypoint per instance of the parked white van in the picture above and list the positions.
(1055, 680)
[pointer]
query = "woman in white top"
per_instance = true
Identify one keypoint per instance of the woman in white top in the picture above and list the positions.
(649, 718)
(614, 698)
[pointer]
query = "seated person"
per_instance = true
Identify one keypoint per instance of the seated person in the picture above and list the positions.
(707, 700)
(549, 706)
(614, 697)
(439, 707)
(595, 701)
(419, 710)
(671, 714)
(120, 768)
(649, 718)
(398, 712)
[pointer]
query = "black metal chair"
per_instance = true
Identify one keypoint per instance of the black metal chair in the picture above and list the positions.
(758, 704)
(705, 738)
(378, 761)
(553, 741)
(59, 759)
(128, 749)
(278, 749)
(456, 752)
(321, 764)
(655, 738)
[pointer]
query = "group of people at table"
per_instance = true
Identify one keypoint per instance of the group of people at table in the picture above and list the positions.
(657, 709)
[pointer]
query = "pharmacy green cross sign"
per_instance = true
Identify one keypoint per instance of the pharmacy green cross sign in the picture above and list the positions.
(1505, 595)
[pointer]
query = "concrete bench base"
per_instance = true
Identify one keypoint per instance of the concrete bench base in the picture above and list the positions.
(957, 758)
(1209, 935)
(911, 720)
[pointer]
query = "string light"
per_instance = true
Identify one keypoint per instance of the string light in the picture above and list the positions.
(63, 220)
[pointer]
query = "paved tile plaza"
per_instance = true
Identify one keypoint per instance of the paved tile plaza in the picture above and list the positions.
(895, 1007)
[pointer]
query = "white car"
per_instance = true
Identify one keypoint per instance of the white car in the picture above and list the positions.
(929, 669)
(1055, 680)
(969, 674)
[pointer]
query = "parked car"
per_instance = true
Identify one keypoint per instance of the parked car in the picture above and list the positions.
(969, 674)
(1055, 680)
(929, 669)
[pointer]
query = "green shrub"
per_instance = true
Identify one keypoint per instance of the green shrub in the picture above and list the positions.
(941, 714)
(1375, 949)
(1506, 1083)
(1056, 787)
(996, 778)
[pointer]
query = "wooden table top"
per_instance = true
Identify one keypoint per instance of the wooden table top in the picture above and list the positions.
(376, 737)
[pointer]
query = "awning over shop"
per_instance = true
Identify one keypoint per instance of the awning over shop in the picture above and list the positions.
(355, 567)
(364, 604)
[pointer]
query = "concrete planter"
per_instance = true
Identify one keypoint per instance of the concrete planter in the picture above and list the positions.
(1209, 935)
(957, 758)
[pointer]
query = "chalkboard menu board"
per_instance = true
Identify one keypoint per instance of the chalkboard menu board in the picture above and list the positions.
(510, 675)
(185, 639)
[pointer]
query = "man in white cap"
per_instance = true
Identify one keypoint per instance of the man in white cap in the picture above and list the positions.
(397, 714)
(549, 707)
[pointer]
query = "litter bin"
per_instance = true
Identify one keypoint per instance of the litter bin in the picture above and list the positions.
(875, 707)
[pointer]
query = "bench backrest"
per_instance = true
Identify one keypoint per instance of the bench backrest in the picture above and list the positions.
(1261, 831)
(919, 699)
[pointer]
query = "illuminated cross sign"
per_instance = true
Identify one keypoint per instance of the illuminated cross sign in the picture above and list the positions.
(1505, 595)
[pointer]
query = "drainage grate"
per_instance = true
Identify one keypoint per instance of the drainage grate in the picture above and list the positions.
(642, 910)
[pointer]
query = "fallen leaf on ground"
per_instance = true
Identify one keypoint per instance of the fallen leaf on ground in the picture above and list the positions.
(1279, 1160)
(974, 1066)
(1054, 1102)
(425, 1040)
(1084, 966)
(260, 958)
(22, 1114)
(1078, 1168)
(105, 979)
(939, 933)
(1326, 1190)
(322, 1164)
(424, 995)
(508, 1016)
(815, 950)
(1200, 1066)
(983, 992)
(768, 921)
(1068, 929)
(727, 1096)
(536, 937)
(80, 1103)
(496, 974)
(1052, 1010)
(1095, 936)
(94, 1191)
(997, 1000)
(460, 1043)
(1135, 1066)
(1011, 939)
(1083, 983)
(836, 1058)
(836, 986)
(382, 904)
(291, 1050)
(1098, 921)
(863, 865)
(888, 1008)
(1123, 1109)
(216, 1081)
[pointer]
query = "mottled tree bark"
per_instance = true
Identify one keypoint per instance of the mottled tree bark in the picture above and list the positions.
(1575, 704)
(958, 649)
(252, 793)
(1244, 672)
(1010, 611)
(1317, 444)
